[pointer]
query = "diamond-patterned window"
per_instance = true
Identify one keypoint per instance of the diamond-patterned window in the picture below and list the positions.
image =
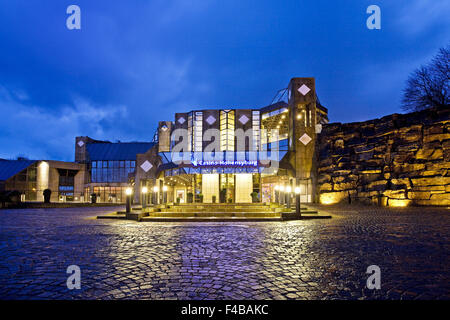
(243, 119)
(304, 89)
(305, 139)
(210, 120)
(146, 166)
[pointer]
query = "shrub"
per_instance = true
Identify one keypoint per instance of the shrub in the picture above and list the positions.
(47, 195)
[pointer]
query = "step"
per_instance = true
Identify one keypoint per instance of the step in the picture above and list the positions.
(209, 214)
(136, 215)
(315, 216)
(219, 210)
(222, 204)
(205, 207)
(112, 216)
(308, 212)
(204, 219)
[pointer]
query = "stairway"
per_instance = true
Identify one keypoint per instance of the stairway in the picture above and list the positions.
(216, 212)
(223, 212)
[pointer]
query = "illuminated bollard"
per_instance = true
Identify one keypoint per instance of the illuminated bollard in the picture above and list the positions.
(155, 195)
(277, 194)
(297, 202)
(144, 197)
(282, 194)
(165, 194)
(128, 192)
(288, 196)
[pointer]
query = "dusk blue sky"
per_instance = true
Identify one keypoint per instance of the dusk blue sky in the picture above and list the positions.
(137, 62)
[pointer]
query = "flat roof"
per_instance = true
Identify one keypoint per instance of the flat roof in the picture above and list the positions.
(9, 168)
(117, 151)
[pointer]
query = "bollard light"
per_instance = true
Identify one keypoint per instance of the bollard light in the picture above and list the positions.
(128, 192)
(155, 195)
(277, 193)
(165, 194)
(288, 196)
(282, 194)
(297, 202)
(144, 191)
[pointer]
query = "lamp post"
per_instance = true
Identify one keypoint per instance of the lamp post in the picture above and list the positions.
(297, 202)
(288, 196)
(155, 195)
(281, 194)
(165, 194)
(144, 197)
(128, 192)
(277, 196)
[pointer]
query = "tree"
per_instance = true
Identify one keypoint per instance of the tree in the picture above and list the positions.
(428, 86)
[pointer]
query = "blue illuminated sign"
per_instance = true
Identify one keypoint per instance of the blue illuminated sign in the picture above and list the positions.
(226, 163)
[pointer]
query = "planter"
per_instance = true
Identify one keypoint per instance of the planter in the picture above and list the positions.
(223, 196)
(47, 195)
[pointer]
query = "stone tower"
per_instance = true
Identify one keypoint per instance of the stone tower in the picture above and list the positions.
(302, 135)
(164, 139)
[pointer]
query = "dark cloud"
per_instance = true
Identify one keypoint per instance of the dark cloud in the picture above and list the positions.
(136, 62)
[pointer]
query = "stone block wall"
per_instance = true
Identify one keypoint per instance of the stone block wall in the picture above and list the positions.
(398, 160)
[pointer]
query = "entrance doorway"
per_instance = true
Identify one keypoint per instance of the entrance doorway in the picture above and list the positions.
(180, 194)
(244, 187)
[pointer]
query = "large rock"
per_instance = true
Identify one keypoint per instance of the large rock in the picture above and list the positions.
(397, 160)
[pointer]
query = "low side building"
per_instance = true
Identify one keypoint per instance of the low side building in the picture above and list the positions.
(32, 177)
(109, 167)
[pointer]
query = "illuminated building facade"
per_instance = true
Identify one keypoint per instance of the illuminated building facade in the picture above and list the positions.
(31, 177)
(227, 155)
(236, 155)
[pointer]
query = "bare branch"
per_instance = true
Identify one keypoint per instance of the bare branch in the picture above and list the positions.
(428, 86)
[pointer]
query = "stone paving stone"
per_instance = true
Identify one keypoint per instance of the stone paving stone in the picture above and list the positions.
(321, 259)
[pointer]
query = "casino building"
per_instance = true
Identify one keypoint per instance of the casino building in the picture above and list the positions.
(227, 155)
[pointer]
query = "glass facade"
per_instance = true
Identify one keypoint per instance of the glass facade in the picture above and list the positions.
(198, 132)
(275, 131)
(229, 180)
(227, 130)
(107, 194)
(66, 185)
(256, 130)
(25, 182)
(111, 171)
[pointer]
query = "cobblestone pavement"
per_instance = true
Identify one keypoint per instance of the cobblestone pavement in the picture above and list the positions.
(321, 259)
